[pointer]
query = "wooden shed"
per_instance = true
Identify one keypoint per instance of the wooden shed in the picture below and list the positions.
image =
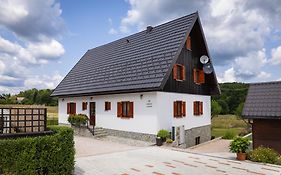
(263, 110)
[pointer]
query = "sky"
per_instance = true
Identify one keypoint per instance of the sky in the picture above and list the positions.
(41, 40)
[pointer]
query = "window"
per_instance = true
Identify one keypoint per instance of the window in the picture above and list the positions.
(71, 108)
(188, 43)
(125, 109)
(179, 109)
(197, 140)
(107, 106)
(198, 108)
(84, 106)
(198, 76)
(179, 72)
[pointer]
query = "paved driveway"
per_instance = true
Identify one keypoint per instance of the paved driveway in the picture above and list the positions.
(159, 161)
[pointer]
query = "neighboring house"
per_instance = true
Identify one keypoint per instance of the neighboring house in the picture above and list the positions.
(20, 99)
(263, 109)
(148, 81)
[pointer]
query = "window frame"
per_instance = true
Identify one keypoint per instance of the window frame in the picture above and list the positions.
(179, 109)
(179, 72)
(198, 76)
(71, 108)
(107, 105)
(84, 106)
(198, 108)
(125, 109)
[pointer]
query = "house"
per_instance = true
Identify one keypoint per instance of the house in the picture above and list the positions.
(263, 110)
(148, 81)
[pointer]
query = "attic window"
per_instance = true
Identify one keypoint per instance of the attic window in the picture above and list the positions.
(198, 76)
(188, 43)
(179, 72)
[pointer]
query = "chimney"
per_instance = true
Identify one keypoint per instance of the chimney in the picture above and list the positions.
(149, 29)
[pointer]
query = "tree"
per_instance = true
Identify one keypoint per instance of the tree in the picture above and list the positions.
(215, 108)
(239, 110)
(224, 107)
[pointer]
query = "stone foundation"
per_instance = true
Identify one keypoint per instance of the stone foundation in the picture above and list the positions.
(204, 132)
(131, 135)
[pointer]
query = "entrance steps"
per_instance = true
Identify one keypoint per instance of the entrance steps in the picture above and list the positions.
(98, 132)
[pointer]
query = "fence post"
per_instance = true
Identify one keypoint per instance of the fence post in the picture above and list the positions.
(45, 119)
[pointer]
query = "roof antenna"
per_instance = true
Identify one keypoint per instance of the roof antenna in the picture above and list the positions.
(149, 29)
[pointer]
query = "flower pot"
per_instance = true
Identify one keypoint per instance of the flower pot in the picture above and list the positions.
(159, 142)
(164, 139)
(241, 156)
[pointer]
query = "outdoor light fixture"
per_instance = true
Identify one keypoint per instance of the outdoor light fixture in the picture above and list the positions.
(141, 95)
(62, 99)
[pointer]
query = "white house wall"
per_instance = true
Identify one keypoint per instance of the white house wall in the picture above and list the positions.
(145, 114)
(165, 102)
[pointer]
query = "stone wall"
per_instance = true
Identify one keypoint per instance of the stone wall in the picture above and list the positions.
(204, 132)
(131, 135)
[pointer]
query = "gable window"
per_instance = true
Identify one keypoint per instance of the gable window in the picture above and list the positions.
(84, 106)
(197, 108)
(107, 106)
(125, 109)
(198, 76)
(179, 109)
(71, 108)
(179, 72)
(188, 43)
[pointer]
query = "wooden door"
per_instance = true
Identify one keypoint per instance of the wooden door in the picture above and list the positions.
(93, 113)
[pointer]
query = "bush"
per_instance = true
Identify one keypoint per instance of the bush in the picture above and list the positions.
(264, 155)
(164, 134)
(51, 154)
(169, 141)
(239, 145)
(78, 119)
(229, 135)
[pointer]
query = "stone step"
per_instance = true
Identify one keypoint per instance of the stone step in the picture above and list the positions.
(100, 135)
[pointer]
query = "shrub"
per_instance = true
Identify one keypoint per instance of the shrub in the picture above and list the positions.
(51, 154)
(78, 119)
(264, 155)
(169, 141)
(164, 134)
(228, 135)
(239, 145)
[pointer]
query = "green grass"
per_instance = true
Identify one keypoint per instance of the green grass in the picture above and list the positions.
(227, 123)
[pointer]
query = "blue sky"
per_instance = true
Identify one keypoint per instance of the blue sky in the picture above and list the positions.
(41, 40)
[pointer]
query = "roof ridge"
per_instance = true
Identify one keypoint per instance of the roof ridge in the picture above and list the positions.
(268, 82)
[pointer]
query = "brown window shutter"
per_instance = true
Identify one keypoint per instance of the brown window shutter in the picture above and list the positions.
(175, 71)
(175, 109)
(195, 75)
(105, 106)
(74, 108)
(109, 105)
(131, 109)
(195, 111)
(201, 76)
(201, 108)
(183, 73)
(119, 109)
(68, 108)
(188, 43)
(183, 108)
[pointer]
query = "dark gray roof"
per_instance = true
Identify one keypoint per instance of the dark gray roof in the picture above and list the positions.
(263, 101)
(137, 62)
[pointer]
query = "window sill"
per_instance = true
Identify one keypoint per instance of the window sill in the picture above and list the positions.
(179, 80)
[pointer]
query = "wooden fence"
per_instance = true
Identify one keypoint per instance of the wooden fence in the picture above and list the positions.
(22, 120)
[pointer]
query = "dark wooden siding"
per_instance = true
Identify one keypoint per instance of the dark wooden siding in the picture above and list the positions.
(267, 132)
(190, 59)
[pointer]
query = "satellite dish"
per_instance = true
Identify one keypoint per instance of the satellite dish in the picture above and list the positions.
(208, 68)
(204, 59)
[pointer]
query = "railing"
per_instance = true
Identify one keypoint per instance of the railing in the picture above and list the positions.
(22, 120)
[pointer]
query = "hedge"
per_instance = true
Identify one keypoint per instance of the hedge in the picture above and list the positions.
(52, 154)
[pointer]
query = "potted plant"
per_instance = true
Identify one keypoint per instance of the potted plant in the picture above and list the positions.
(159, 141)
(239, 146)
(164, 134)
(78, 120)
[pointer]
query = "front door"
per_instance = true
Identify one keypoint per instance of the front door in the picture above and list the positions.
(93, 113)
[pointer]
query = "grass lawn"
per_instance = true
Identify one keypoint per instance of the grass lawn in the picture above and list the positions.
(227, 123)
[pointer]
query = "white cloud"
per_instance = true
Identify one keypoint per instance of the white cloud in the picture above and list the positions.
(112, 31)
(32, 19)
(228, 76)
(36, 25)
(264, 75)
(44, 81)
(275, 56)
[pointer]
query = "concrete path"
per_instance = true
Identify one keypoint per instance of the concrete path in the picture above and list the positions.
(159, 161)
(87, 146)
